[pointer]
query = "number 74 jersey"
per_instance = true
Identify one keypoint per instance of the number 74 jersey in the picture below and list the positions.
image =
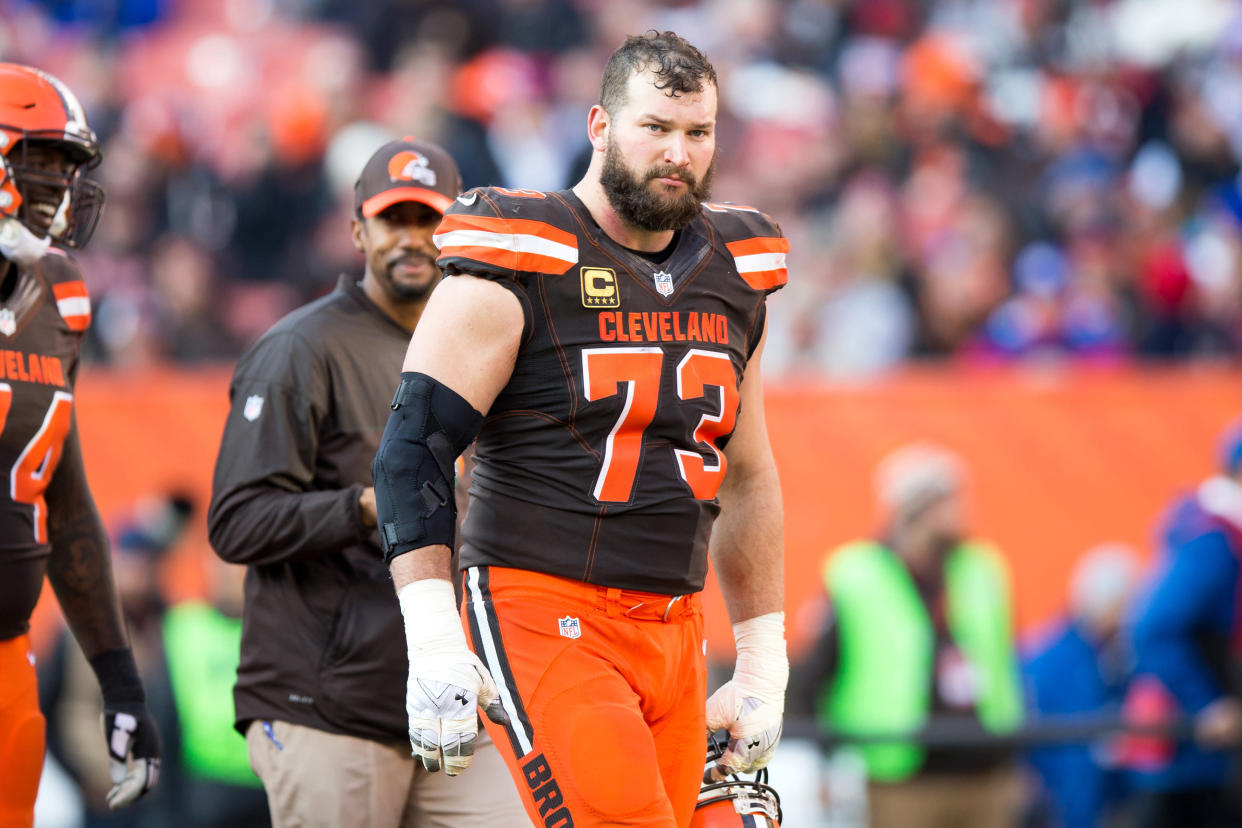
(42, 321)
(601, 457)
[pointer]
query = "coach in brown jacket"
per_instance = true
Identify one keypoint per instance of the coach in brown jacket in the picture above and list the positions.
(320, 690)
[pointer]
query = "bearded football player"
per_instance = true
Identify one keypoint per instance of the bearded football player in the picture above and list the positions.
(48, 520)
(603, 345)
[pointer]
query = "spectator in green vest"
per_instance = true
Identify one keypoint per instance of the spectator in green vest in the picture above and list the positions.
(211, 779)
(919, 630)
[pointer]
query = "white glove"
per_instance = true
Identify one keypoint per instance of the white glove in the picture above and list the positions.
(447, 682)
(751, 705)
(18, 244)
(132, 738)
(132, 768)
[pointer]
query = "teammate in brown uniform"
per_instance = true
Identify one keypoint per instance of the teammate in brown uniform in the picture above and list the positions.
(48, 520)
(612, 334)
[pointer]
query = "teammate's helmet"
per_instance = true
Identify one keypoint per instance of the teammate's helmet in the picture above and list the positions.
(38, 112)
(736, 801)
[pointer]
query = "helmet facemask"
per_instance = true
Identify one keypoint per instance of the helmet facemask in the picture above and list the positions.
(725, 802)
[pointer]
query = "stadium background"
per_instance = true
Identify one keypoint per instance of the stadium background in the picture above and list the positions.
(1016, 226)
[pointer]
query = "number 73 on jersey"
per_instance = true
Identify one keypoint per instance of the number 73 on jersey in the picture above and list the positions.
(636, 372)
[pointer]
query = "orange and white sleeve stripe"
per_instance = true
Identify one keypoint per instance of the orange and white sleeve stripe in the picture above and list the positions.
(74, 304)
(512, 244)
(761, 261)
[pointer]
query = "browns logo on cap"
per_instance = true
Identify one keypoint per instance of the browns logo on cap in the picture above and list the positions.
(410, 166)
(406, 170)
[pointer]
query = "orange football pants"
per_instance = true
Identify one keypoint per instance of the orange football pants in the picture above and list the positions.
(21, 734)
(605, 694)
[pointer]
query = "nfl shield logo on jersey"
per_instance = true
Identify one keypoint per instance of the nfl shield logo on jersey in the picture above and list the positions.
(8, 322)
(253, 408)
(570, 628)
(663, 282)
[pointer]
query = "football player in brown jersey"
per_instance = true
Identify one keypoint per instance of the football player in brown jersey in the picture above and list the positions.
(48, 520)
(603, 343)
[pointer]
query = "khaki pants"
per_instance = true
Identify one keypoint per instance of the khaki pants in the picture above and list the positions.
(989, 799)
(314, 778)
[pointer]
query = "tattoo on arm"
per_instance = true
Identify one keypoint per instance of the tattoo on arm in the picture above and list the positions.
(80, 569)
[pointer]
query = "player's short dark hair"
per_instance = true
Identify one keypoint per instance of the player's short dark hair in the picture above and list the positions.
(679, 67)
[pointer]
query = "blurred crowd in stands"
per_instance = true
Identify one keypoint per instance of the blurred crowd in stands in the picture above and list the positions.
(969, 179)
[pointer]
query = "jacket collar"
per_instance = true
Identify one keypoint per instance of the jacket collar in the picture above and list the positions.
(353, 288)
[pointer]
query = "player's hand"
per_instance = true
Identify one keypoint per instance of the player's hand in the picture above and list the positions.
(18, 244)
(443, 695)
(447, 683)
(132, 739)
(751, 705)
(133, 752)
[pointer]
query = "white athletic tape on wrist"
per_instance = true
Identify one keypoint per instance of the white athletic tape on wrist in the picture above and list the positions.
(752, 703)
(762, 663)
(432, 624)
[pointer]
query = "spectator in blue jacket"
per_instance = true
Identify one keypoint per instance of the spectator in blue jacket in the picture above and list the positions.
(1186, 638)
(1081, 667)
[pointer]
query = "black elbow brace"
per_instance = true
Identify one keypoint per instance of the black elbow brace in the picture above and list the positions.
(431, 425)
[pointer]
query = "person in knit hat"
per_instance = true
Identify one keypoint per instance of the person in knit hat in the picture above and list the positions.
(920, 632)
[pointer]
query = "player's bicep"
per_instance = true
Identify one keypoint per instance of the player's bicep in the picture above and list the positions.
(468, 338)
(748, 450)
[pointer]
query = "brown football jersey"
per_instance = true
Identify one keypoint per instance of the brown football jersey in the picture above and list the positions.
(41, 327)
(601, 457)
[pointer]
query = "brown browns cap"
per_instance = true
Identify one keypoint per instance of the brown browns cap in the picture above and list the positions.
(407, 170)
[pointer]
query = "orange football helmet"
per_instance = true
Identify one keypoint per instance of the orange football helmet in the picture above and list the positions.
(736, 802)
(46, 191)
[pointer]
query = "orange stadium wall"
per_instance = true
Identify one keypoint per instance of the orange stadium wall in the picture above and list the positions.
(1059, 460)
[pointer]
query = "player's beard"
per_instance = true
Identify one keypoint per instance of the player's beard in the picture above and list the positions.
(407, 291)
(632, 196)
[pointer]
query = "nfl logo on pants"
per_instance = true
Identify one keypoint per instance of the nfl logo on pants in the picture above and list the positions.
(570, 628)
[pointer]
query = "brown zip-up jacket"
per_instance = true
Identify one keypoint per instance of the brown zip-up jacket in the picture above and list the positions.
(322, 639)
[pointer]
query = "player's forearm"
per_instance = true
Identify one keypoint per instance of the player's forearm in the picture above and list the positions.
(747, 552)
(80, 572)
(747, 545)
(79, 566)
(259, 525)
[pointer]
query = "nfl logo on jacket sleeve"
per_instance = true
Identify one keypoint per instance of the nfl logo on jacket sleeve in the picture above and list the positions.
(570, 628)
(253, 407)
